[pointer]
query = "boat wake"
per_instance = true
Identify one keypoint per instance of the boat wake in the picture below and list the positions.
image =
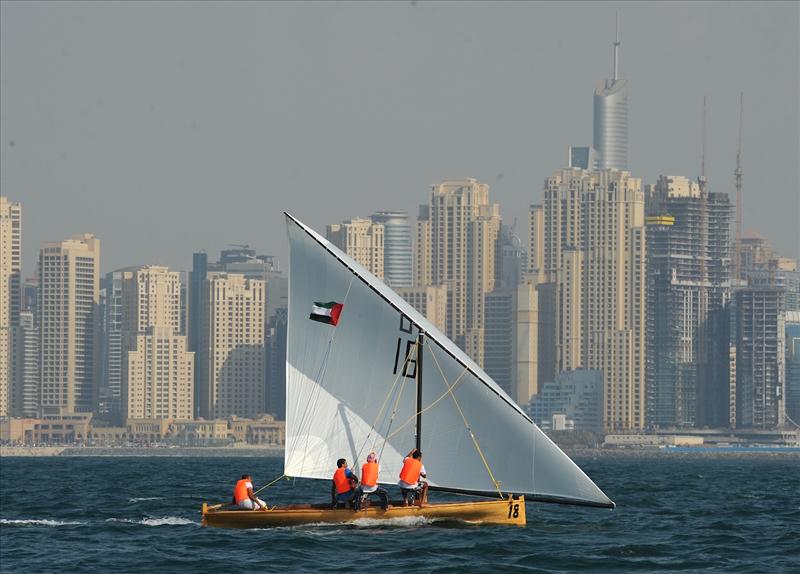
(40, 522)
(399, 522)
(146, 498)
(163, 521)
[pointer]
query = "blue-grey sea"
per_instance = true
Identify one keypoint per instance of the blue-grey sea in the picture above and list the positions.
(676, 513)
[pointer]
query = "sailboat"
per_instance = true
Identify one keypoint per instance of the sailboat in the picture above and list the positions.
(366, 372)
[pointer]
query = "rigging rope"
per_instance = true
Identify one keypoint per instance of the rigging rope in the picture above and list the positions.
(383, 406)
(312, 404)
(466, 424)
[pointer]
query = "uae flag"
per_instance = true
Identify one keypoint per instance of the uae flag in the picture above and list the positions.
(326, 312)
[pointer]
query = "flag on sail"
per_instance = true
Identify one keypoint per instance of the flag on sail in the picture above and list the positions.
(326, 312)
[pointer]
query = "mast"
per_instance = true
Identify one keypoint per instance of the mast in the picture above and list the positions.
(420, 348)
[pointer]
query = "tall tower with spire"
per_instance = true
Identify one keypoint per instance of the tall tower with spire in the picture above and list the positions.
(610, 137)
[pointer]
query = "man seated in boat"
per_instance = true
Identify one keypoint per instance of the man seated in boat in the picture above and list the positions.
(410, 483)
(343, 488)
(244, 497)
(369, 482)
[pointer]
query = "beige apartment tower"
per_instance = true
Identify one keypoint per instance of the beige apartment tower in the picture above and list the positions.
(232, 376)
(362, 240)
(430, 301)
(69, 288)
(464, 228)
(595, 252)
(157, 369)
(10, 269)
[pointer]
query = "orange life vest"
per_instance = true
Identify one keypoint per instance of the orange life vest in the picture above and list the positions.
(240, 491)
(369, 474)
(411, 469)
(341, 481)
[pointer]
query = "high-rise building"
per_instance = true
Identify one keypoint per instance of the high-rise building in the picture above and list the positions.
(595, 253)
(69, 295)
(361, 239)
(430, 301)
(232, 342)
(511, 340)
(536, 242)
(423, 251)
(688, 273)
(276, 362)
(398, 268)
(793, 367)
(611, 118)
(10, 269)
(26, 399)
(110, 397)
(760, 358)
(157, 369)
(464, 230)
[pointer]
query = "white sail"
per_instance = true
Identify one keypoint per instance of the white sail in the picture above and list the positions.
(351, 389)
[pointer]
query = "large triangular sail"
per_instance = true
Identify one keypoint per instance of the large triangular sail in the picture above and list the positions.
(351, 389)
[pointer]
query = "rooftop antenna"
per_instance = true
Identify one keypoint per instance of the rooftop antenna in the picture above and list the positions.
(616, 52)
(738, 173)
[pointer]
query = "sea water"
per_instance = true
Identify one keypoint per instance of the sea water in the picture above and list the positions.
(677, 513)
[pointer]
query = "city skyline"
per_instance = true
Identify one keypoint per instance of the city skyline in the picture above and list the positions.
(90, 136)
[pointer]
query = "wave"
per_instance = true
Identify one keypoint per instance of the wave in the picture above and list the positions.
(145, 498)
(163, 521)
(401, 521)
(38, 522)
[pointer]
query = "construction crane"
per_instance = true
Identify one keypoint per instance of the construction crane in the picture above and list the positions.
(738, 173)
(701, 293)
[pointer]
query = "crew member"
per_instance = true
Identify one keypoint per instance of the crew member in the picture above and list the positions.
(369, 482)
(410, 483)
(244, 497)
(343, 485)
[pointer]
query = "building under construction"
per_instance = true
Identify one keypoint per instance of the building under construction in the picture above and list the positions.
(760, 346)
(688, 273)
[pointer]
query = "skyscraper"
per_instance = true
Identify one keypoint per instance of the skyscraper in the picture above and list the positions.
(361, 239)
(232, 373)
(595, 253)
(610, 137)
(157, 368)
(10, 268)
(688, 272)
(69, 288)
(423, 251)
(464, 230)
(397, 252)
(760, 358)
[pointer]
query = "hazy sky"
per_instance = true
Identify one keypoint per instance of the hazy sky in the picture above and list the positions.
(169, 128)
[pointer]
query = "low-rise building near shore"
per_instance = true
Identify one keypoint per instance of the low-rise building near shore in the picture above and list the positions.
(79, 429)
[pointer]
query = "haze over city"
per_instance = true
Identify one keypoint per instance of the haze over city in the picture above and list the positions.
(169, 128)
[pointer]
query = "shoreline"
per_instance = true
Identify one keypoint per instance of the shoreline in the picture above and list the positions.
(278, 452)
(86, 451)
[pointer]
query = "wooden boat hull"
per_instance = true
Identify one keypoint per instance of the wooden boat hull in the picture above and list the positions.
(507, 511)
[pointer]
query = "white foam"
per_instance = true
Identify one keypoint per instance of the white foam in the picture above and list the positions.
(163, 521)
(403, 521)
(40, 522)
(145, 498)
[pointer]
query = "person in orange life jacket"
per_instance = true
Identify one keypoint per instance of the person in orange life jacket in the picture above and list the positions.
(343, 485)
(244, 497)
(410, 482)
(369, 482)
